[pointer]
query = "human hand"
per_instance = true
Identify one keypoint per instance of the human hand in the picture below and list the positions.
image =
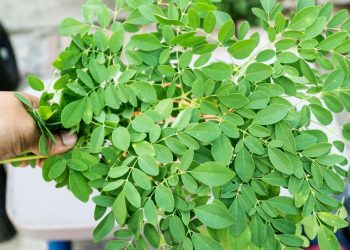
(19, 132)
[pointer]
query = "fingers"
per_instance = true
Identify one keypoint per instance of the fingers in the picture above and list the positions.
(40, 163)
(24, 164)
(65, 142)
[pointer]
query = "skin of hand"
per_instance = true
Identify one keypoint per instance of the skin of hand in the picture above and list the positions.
(19, 132)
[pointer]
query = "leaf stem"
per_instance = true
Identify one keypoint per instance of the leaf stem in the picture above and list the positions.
(24, 158)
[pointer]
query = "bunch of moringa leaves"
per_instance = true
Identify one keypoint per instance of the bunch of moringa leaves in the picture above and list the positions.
(185, 151)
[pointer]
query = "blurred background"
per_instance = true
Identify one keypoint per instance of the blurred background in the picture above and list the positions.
(32, 27)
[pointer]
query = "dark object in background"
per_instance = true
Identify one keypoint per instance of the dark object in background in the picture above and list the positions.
(7, 231)
(9, 79)
(9, 76)
(241, 9)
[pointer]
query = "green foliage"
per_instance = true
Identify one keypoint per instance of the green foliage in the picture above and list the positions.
(184, 151)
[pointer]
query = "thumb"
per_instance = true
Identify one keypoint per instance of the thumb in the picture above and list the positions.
(64, 142)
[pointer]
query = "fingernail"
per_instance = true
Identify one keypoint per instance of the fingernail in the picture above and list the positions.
(68, 139)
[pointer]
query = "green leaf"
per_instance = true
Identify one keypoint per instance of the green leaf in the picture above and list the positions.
(213, 174)
(275, 179)
(284, 133)
(57, 169)
(164, 108)
(305, 3)
(185, 59)
(23, 100)
(238, 213)
(151, 213)
(287, 57)
(166, 21)
(214, 216)
(144, 91)
(304, 18)
(333, 180)
(98, 71)
(142, 123)
(234, 100)
(101, 40)
(346, 131)
(318, 149)
(333, 41)
(104, 227)
(285, 44)
(241, 241)
(222, 150)
(43, 149)
(141, 179)
(146, 42)
(205, 132)
(244, 165)
(284, 204)
(280, 161)
(327, 239)
(333, 103)
(79, 186)
(243, 49)
(316, 28)
(316, 172)
(116, 41)
(338, 18)
(177, 228)
(257, 72)
(332, 220)
(187, 159)
(259, 131)
(254, 145)
(258, 229)
(330, 160)
(70, 26)
(334, 80)
(291, 240)
(226, 31)
(152, 235)
(85, 78)
(132, 195)
(97, 139)
(164, 198)
(155, 133)
(116, 244)
(117, 172)
(166, 70)
(209, 22)
(203, 242)
(119, 209)
(243, 30)
(229, 129)
(323, 115)
(77, 165)
(218, 71)
(72, 114)
(175, 146)
(265, 55)
(103, 16)
(35, 83)
(268, 5)
(121, 138)
(271, 114)
(143, 148)
(183, 119)
(258, 100)
(149, 165)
